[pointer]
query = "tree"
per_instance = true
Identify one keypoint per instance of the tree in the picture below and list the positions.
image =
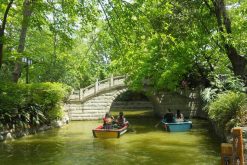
(27, 12)
(166, 42)
(2, 30)
(224, 22)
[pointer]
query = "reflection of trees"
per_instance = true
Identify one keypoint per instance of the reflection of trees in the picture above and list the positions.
(106, 144)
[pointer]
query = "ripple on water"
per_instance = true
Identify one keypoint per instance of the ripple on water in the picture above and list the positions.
(74, 144)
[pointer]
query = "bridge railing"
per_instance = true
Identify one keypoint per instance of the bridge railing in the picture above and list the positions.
(97, 87)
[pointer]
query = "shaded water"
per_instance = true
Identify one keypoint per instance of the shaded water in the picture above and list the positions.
(144, 145)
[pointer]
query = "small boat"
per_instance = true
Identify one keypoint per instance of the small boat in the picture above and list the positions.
(178, 126)
(100, 132)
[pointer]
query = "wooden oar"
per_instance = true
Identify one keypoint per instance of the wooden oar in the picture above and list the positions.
(130, 128)
(156, 125)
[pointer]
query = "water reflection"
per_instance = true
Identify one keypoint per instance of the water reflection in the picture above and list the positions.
(74, 144)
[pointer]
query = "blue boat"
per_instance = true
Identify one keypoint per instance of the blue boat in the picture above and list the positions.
(178, 126)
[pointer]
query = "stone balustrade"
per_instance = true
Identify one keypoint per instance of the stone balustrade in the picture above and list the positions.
(97, 87)
(94, 101)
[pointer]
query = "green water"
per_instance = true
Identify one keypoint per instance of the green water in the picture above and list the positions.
(144, 145)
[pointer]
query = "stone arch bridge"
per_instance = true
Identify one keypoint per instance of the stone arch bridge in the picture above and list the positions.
(92, 102)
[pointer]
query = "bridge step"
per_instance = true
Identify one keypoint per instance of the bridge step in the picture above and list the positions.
(94, 105)
(84, 118)
(92, 109)
(100, 111)
(88, 114)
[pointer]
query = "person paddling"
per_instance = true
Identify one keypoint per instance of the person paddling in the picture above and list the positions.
(121, 120)
(169, 117)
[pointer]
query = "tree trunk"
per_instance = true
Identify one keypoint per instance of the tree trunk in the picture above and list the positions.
(224, 25)
(2, 29)
(27, 12)
(238, 62)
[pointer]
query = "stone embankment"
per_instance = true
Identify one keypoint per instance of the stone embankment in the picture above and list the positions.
(12, 134)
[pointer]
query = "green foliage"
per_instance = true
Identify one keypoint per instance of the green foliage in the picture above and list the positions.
(12, 95)
(159, 43)
(221, 83)
(228, 109)
(58, 42)
(55, 113)
(165, 42)
(31, 105)
(75, 42)
(229, 82)
(209, 94)
(48, 94)
(32, 114)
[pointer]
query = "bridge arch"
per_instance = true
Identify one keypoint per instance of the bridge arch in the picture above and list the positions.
(92, 102)
(132, 100)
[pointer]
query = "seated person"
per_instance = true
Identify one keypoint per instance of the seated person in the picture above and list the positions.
(169, 117)
(121, 120)
(179, 116)
(107, 120)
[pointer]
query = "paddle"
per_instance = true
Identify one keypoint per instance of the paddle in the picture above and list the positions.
(156, 125)
(131, 129)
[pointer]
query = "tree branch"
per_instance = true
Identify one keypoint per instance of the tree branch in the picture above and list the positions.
(2, 28)
(6, 14)
(208, 6)
(108, 22)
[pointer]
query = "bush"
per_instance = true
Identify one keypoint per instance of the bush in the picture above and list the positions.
(55, 113)
(228, 110)
(48, 94)
(12, 95)
(30, 105)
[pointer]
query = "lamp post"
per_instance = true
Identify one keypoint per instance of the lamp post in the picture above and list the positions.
(28, 62)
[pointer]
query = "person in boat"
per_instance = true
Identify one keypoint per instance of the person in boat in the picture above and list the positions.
(121, 120)
(169, 117)
(179, 116)
(108, 121)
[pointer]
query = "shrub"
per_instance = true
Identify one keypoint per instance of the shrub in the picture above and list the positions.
(12, 95)
(23, 105)
(55, 113)
(228, 110)
(48, 94)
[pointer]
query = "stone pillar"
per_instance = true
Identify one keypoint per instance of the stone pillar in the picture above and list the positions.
(96, 88)
(81, 94)
(111, 81)
(238, 150)
(226, 154)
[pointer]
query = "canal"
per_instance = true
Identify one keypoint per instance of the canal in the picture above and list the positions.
(144, 144)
